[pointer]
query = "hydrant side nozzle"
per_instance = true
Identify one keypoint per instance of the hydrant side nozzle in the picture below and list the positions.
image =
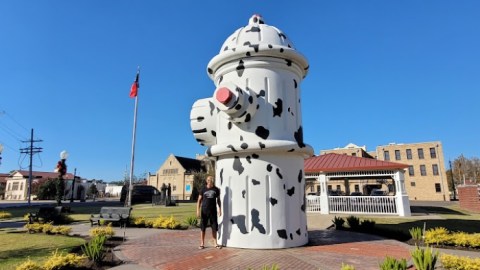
(223, 95)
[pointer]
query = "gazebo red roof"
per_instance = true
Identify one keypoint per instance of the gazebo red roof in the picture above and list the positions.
(345, 163)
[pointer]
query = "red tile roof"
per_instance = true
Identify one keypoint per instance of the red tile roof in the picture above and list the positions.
(345, 163)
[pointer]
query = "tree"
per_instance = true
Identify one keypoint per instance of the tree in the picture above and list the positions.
(92, 191)
(47, 190)
(465, 169)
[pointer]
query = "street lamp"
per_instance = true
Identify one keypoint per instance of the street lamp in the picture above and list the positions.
(62, 170)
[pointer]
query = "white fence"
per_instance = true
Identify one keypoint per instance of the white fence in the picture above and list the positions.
(383, 205)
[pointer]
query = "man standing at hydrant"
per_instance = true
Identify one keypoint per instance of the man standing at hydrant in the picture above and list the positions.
(207, 203)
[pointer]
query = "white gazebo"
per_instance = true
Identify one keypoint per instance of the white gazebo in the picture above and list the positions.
(345, 170)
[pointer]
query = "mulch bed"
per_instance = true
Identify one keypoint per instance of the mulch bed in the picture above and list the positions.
(109, 260)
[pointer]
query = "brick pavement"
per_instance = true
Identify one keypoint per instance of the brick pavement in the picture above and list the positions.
(327, 249)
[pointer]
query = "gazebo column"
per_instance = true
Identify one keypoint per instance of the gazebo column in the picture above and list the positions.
(324, 207)
(403, 204)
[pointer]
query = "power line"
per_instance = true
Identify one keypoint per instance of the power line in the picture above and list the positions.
(31, 151)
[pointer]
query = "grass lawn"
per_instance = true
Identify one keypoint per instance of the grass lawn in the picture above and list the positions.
(17, 247)
(179, 212)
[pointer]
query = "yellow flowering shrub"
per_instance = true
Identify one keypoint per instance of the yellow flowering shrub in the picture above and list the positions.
(63, 261)
(64, 230)
(437, 236)
(158, 222)
(451, 262)
(47, 228)
(29, 265)
(138, 221)
(34, 227)
(98, 231)
(4, 215)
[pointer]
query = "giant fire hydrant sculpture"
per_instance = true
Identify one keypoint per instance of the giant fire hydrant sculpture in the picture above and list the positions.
(253, 126)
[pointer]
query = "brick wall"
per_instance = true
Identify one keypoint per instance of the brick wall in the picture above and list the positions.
(469, 197)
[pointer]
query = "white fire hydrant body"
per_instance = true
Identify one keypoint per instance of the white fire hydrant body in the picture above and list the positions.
(253, 127)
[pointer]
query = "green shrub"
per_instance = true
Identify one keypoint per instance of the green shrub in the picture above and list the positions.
(191, 221)
(393, 264)
(367, 225)
(416, 234)
(353, 222)
(451, 262)
(338, 222)
(94, 249)
(5, 215)
(424, 259)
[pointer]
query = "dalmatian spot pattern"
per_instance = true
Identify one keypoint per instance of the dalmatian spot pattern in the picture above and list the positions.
(240, 222)
(248, 158)
(240, 68)
(229, 125)
(279, 174)
(262, 145)
(282, 35)
(221, 176)
(254, 46)
(277, 110)
(291, 191)
(261, 93)
(200, 118)
(238, 107)
(248, 118)
(243, 193)
(250, 99)
(210, 71)
(203, 130)
(298, 232)
(298, 135)
(214, 134)
(300, 176)
(247, 54)
(255, 182)
(255, 156)
(273, 201)
(221, 79)
(212, 107)
(209, 151)
(232, 148)
(241, 138)
(291, 236)
(295, 83)
(244, 146)
(282, 234)
(254, 29)
(289, 62)
(262, 132)
(237, 165)
(281, 50)
(256, 221)
(269, 167)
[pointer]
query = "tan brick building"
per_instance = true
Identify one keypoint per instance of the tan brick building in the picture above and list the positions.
(178, 172)
(425, 178)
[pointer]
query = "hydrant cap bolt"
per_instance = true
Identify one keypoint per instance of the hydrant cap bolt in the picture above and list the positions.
(223, 95)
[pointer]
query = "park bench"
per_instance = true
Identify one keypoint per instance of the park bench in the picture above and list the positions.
(46, 214)
(112, 214)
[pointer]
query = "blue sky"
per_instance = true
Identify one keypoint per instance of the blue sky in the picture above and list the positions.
(380, 72)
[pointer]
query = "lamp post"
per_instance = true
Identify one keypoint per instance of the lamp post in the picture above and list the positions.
(62, 170)
(73, 185)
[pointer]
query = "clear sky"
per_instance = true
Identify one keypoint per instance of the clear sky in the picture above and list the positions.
(380, 72)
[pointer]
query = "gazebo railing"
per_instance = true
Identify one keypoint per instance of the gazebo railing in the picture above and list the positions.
(313, 204)
(383, 205)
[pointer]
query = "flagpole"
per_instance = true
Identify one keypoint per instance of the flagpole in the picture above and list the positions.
(132, 161)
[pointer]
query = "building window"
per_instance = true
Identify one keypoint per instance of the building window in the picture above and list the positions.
(411, 171)
(397, 155)
(8, 187)
(423, 170)
(412, 184)
(438, 188)
(21, 186)
(420, 153)
(386, 155)
(15, 186)
(354, 154)
(409, 153)
(357, 188)
(435, 169)
(433, 154)
(338, 187)
(329, 187)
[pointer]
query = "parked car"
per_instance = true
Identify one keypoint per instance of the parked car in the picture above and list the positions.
(140, 193)
(377, 192)
(356, 193)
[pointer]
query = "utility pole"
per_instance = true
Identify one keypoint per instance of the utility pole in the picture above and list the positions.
(31, 151)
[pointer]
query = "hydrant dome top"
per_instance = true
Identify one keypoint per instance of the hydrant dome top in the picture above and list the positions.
(257, 39)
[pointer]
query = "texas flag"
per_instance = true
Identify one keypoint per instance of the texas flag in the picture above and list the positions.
(135, 86)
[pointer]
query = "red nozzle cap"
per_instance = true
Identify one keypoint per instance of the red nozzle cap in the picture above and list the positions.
(223, 95)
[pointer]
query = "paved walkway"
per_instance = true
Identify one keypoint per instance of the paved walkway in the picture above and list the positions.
(147, 249)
